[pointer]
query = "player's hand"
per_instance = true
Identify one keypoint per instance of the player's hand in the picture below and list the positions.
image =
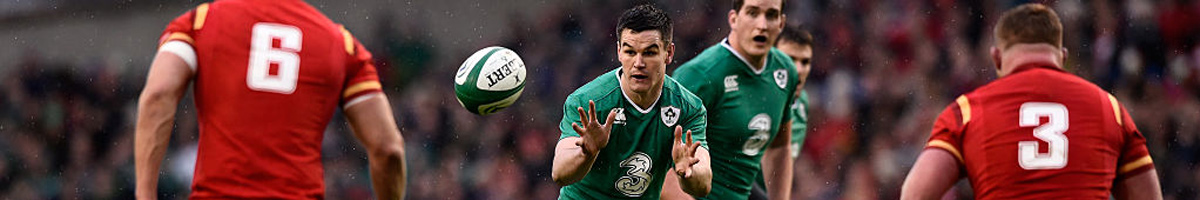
(594, 136)
(684, 153)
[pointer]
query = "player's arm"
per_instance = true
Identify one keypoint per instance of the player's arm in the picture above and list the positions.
(1140, 186)
(671, 188)
(777, 164)
(375, 127)
(574, 156)
(1137, 178)
(938, 167)
(935, 172)
(166, 83)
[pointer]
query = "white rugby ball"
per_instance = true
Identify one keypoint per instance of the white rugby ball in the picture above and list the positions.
(490, 80)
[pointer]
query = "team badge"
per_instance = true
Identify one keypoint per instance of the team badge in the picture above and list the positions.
(670, 115)
(781, 78)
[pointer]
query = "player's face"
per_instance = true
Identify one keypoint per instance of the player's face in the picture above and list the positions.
(756, 25)
(801, 56)
(644, 57)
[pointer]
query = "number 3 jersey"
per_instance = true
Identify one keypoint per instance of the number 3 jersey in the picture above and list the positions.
(1041, 133)
(635, 161)
(746, 108)
(268, 77)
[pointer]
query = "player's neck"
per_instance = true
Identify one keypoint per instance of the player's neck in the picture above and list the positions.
(645, 99)
(1022, 55)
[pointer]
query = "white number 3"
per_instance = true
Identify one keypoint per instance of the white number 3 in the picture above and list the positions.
(1052, 132)
(263, 54)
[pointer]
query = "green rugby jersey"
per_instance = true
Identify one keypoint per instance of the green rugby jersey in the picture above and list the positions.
(635, 162)
(799, 112)
(746, 107)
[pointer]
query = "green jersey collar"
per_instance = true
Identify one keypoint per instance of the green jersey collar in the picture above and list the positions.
(725, 43)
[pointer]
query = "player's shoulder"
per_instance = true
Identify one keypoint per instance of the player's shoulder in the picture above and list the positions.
(783, 59)
(677, 91)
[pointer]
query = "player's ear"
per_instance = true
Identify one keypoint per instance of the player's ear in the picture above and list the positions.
(670, 52)
(996, 59)
(732, 17)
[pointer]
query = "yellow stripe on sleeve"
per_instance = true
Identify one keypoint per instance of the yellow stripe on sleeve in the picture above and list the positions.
(348, 40)
(945, 145)
(178, 36)
(1136, 164)
(964, 105)
(361, 87)
(1116, 107)
(201, 13)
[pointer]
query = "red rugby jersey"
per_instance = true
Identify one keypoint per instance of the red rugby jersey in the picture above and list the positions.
(1041, 133)
(269, 76)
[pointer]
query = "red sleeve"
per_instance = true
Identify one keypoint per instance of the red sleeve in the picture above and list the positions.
(1135, 158)
(948, 129)
(184, 27)
(362, 79)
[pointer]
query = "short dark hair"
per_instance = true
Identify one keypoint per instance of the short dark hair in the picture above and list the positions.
(796, 34)
(645, 17)
(1029, 24)
(737, 5)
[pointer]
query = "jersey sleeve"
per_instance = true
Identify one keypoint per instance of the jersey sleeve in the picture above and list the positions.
(1135, 158)
(697, 122)
(570, 115)
(184, 27)
(948, 129)
(362, 80)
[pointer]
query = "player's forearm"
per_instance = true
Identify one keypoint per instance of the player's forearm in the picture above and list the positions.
(156, 113)
(700, 182)
(777, 167)
(570, 163)
(388, 171)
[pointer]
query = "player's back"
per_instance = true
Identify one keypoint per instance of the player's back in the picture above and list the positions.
(1043, 133)
(268, 77)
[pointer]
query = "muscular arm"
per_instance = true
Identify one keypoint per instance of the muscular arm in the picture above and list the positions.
(777, 164)
(1141, 186)
(166, 83)
(570, 163)
(934, 173)
(375, 127)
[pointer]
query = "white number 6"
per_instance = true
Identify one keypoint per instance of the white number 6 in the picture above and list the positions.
(1051, 132)
(262, 54)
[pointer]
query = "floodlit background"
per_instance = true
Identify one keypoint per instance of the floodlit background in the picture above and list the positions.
(71, 70)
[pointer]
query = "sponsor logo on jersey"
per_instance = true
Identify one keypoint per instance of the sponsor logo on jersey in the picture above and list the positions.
(731, 83)
(761, 125)
(637, 179)
(781, 78)
(620, 118)
(670, 115)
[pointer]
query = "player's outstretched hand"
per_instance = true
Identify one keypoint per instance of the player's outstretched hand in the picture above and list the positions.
(593, 135)
(684, 153)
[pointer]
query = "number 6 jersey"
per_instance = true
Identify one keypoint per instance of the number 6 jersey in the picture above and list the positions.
(268, 77)
(1041, 133)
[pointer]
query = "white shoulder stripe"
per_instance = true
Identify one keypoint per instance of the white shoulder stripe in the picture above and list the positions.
(183, 50)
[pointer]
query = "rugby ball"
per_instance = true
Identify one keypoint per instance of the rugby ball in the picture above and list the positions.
(490, 80)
